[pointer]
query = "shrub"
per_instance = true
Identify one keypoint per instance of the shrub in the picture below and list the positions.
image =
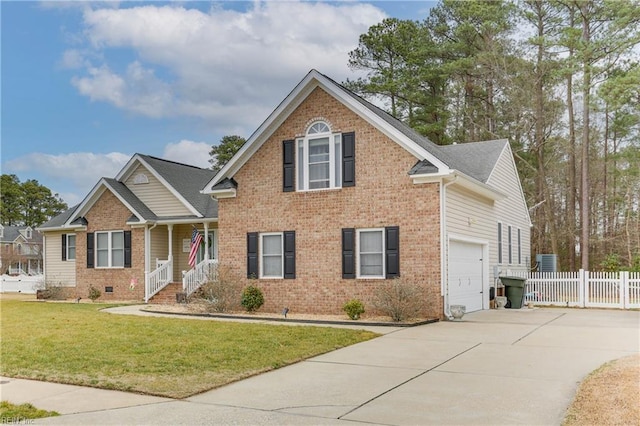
(399, 299)
(222, 292)
(353, 308)
(252, 298)
(50, 290)
(94, 293)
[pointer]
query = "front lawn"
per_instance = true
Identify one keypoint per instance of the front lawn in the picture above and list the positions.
(78, 344)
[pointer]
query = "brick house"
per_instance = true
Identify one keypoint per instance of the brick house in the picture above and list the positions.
(331, 195)
(130, 236)
(328, 198)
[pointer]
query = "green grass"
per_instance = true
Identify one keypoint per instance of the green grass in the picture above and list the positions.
(78, 344)
(17, 414)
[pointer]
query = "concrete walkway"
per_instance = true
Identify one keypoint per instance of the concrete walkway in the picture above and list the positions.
(494, 367)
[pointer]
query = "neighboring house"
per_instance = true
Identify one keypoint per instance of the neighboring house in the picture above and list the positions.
(20, 250)
(129, 237)
(328, 198)
(331, 195)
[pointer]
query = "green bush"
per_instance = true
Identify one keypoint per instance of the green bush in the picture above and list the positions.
(353, 308)
(252, 298)
(94, 293)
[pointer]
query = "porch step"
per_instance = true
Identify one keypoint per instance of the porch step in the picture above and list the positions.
(167, 295)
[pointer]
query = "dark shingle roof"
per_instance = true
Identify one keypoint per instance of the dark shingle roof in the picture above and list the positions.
(188, 181)
(476, 159)
(10, 233)
(59, 220)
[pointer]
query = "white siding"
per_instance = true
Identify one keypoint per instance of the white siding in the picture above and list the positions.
(56, 270)
(511, 211)
(155, 195)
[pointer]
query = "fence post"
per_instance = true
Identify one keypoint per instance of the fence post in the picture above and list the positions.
(584, 294)
(624, 289)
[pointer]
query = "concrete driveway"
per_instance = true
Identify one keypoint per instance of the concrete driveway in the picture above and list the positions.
(493, 367)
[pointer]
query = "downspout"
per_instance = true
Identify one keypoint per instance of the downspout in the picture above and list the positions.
(443, 232)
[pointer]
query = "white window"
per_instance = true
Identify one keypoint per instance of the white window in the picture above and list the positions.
(71, 247)
(370, 249)
(319, 156)
(271, 253)
(110, 249)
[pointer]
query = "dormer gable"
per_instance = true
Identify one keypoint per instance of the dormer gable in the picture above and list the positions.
(27, 233)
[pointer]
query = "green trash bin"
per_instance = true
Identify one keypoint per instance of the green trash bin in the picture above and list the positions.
(514, 290)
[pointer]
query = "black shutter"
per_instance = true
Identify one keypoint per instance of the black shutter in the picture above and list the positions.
(392, 251)
(349, 159)
(252, 255)
(348, 253)
(289, 165)
(127, 249)
(289, 254)
(90, 255)
(64, 246)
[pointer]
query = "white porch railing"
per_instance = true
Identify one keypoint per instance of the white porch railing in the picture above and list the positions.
(16, 271)
(157, 280)
(584, 289)
(194, 278)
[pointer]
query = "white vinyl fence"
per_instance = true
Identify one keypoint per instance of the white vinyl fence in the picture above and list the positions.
(584, 289)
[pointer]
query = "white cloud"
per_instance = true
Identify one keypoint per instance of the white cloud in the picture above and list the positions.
(228, 67)
(71, 175)
(188, 152)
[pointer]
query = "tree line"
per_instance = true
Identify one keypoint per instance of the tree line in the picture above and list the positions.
(27, 203)
(559, 79)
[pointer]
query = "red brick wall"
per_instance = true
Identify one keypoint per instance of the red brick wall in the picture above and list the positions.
(383, 196)
(109, 214)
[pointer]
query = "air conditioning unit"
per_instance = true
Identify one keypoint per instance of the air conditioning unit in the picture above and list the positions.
(547, 262)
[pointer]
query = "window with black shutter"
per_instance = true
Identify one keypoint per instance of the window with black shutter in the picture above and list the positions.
(348, 253)
(392, 251)
(349, 159)
(90, 251)
(252, 255)
(289, 254)
(289, 165)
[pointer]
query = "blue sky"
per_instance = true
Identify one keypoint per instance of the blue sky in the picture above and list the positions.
(87, 84)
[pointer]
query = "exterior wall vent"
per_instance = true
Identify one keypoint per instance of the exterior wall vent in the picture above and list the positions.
(140, 179)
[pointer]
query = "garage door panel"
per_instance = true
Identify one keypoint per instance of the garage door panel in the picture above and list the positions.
(465, 275)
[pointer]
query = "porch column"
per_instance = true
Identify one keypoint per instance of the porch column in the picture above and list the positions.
(206, 241)
(170, 230)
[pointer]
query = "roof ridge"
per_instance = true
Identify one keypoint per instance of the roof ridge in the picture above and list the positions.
(169, 161)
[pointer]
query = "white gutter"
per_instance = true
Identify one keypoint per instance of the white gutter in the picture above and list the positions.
(443, 232)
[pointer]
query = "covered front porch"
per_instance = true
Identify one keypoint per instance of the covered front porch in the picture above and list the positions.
(168, 250)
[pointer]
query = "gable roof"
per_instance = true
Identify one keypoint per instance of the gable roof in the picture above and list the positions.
(182, 180)
(432, 159)
(12, 233)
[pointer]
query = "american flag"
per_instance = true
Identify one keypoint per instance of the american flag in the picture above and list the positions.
(196, 240)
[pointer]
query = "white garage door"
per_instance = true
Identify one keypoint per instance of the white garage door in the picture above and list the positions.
(465, 275)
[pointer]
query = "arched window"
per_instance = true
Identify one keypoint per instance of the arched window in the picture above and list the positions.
(318, 157)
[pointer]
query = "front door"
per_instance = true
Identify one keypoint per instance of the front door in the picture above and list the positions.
(213, 246)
